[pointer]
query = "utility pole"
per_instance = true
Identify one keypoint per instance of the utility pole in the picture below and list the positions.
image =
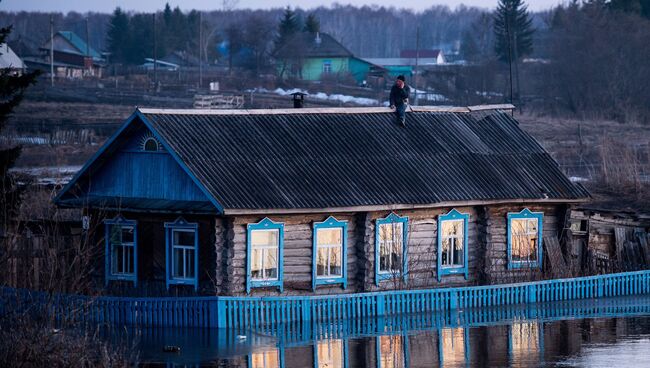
(52, 50)
(200, 49)
(417, 60)
(509, 53)
(155, 58)
(90, 60)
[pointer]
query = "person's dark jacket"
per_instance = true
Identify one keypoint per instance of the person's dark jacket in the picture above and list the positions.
(399, 96)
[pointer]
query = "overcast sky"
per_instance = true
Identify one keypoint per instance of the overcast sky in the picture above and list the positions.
(150, 5)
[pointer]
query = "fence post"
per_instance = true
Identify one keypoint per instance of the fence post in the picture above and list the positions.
(380, 301)
(213, 313)
(453, 299)
(221, 313)
(601, 287)
(305, 304)
(532, 294)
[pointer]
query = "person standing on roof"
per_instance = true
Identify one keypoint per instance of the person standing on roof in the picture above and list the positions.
(399, 99)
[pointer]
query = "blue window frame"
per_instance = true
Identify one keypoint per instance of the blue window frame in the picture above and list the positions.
(121, 238)
(452, 244)
(264, 254)
(182, 253)
(329, 255)
(525, 239)
(327, 66)
(391, 244)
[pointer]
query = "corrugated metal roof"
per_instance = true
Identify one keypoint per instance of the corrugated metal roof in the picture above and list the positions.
(325, 46)
(341, 158)
(79, 44)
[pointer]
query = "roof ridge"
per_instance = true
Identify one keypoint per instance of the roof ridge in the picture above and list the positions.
(325, 110)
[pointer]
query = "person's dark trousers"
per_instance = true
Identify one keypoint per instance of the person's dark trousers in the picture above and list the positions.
(400, 111)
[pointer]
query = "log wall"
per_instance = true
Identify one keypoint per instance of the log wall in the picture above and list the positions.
(487, 250)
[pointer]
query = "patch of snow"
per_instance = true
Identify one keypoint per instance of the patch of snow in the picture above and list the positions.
(322, 96)
(578, 179)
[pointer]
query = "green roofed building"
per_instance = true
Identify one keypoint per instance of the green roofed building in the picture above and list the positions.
(314, 56)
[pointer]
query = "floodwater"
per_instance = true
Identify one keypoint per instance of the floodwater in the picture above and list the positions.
(593, 333)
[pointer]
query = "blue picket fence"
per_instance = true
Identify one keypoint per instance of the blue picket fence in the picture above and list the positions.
(291, 312)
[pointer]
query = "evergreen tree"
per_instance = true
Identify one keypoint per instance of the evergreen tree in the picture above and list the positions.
(141, 39)
(469, 49)
(513, 30)
(288, 27)
(12, 89)
(640, 7)
(312, 24)
(119, 36)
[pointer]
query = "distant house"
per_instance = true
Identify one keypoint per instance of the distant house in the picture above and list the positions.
(313, 57)
(9, 59)
(434, 56)
(151, 64)
(319, 201)
(182, 59)
(405, 64)
(73, 57)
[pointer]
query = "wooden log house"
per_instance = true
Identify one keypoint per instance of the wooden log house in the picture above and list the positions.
(319, 201)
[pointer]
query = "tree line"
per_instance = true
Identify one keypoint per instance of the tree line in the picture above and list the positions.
(583, 57)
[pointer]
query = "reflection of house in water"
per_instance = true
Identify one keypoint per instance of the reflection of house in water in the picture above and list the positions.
(524, 342)
(391, 351)
(331, 354)
(453, 346)
(273, 357)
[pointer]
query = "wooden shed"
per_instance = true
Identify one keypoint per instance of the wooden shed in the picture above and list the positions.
(319, 201)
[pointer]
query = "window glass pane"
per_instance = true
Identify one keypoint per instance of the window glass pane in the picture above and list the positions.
(518, 240)
(185, 238)
(177, 262)
(458, 251)
(151, 145)
(256, 263)
(392, 231)
(114, 234)
(116, 259)
(390, 243)
(446, 251)
(452, 228)
(330, 236)
(127, 234)
(130, 259)
(524, 239)
(321, 262)
(532, 226)
(189, 263)
(265, 237)
(532, 248)
(335, 262)
(271, 264)
(518, 226)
